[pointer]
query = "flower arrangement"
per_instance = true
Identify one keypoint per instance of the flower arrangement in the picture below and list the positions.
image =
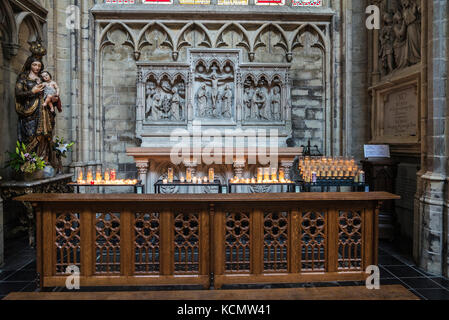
(23, 161)
(62, 148)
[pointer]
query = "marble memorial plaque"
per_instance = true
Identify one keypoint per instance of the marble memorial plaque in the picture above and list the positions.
(401, 113)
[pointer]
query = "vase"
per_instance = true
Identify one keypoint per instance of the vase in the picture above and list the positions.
(28, 177)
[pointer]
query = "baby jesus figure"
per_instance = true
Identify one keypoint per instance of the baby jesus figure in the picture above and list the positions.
(51, 92)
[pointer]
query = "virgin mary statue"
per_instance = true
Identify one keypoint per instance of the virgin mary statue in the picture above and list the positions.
(36, 123)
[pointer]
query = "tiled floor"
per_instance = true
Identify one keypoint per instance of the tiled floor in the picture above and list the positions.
(19, 273)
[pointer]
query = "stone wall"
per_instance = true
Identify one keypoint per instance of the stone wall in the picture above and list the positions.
(359, 100)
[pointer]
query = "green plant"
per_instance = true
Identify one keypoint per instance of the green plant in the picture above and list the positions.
(62, 148)
(23, 161)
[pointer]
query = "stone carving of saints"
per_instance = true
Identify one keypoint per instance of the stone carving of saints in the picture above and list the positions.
(411, 12)
(151, 90)
(260, 102)
(156, 105)
(202, 100)
(386, 44)
(227, 102)
(399, 29)
(176, 104)
(215, 82)
(276, 103)
(248, 103)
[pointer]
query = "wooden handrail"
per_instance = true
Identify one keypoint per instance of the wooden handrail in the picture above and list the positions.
(217, 198)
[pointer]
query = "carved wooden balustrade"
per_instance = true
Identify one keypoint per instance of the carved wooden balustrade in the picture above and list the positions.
(210, 239)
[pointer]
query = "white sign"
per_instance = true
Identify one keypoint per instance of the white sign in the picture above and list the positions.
(307, 3)
(377, 151)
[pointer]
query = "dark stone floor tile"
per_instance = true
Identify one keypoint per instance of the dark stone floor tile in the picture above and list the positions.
(416, 293)
(385, 274)
(6, 274)
(404, 272)
(390, 261)
(388, 282)
(434, 294)
(8, 287)
(31, 266)
(31, 287)
(21, 275)
(421, 283)
(442, 281)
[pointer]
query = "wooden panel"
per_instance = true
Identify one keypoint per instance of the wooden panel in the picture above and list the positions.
(126, 244)
(275, 240)
(238, 242)
(87, 243)
(350, 239)
(146, 242)
(332, 239)
(294, 244)
(219, 242)
(204, 254)
(256, 242)
(167, 245)
(313, 244)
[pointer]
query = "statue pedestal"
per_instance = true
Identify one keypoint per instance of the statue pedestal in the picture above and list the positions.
(23, 211)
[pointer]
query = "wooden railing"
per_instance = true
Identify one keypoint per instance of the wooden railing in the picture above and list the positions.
(210, 239)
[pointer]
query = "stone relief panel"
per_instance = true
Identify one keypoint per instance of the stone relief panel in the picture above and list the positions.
(400, 35)
(165, 98)
(214, 87)
(262, 100)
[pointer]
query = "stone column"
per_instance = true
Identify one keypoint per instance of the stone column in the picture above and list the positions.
(142, 170)
(431, 215)
(1, 234)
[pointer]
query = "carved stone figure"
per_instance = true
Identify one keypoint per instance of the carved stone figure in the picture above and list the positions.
(156, 107)
(413, 46)
(260, 101)
(276, 103)
(386, 49)
(201, 96)
(151, 90)
(176, 105)
(227, 102)
(215, 81)
(399, 29)
(248, 103)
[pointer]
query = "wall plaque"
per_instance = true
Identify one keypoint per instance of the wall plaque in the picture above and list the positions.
(401, 113)
(395, 114)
